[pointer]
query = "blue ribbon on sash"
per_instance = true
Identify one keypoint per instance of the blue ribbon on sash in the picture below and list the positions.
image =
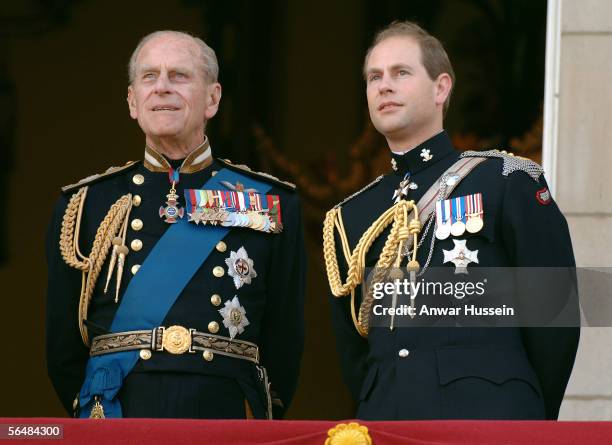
(179, 253)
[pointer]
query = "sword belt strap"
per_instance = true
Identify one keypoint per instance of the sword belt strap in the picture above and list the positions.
(174, 340)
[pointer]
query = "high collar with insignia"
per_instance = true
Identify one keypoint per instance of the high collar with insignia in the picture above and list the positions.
(198, 159)
(423, 155)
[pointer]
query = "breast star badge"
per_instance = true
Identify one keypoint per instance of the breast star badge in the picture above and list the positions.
(240, 267)
(234, 317)
(460, 256)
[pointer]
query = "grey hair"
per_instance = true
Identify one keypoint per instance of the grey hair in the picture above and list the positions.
(210, 66)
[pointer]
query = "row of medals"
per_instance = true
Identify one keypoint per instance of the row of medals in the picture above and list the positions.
(251, 219)
(217, 216)
(473, 225)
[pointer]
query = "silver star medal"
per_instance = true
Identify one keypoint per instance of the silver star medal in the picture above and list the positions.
(460, 256)
(240, 267)
(426, 155)
(234, 317)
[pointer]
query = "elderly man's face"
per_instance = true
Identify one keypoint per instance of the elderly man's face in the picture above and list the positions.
(169, 96)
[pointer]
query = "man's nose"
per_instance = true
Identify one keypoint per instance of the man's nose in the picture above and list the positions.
(162, 84)
(385, 85)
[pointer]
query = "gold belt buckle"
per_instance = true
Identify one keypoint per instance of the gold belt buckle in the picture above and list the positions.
(176, 339)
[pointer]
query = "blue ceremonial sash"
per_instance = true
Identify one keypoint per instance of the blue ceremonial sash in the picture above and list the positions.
(170, 265)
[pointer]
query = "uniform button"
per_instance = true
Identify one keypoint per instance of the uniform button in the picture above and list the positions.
(213, 327)
(136, 224)
(135, 268)
(145, 354)
(221, 246)
(215, 299)
(403, 353)
(218, 271)
(138, 179)
(208, 355)
(214, 172)
(136, 245)
(136, 200)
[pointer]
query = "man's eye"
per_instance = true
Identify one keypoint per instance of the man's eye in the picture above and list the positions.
(403, 72)
(148, 76)
(373, 77)
(178, 75)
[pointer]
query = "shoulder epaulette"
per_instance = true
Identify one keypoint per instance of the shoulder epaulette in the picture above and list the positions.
(511, 163)
(245, 169)
(95, 178)
(358, 192)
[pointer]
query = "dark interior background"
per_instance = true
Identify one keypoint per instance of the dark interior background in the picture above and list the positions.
(293, 105)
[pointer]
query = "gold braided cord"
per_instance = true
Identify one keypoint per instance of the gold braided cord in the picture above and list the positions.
(90, 265)
(329, 253)
(356, 263)
(356, 323)
(109, 228)
(391, 254)
(346, 249)
(339, 223)
(68, 239)
(77, 233)
(389, 262)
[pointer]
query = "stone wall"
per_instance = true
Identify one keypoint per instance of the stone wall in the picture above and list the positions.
(583, 183)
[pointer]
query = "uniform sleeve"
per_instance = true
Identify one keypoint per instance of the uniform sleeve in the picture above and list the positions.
(283, 324)
(352, 348)
(66, 354)
(536, 235)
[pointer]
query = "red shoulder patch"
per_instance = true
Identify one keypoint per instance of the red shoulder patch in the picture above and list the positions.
(543, 196)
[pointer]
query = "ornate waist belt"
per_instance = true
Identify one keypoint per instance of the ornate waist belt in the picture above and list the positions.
(175, 340)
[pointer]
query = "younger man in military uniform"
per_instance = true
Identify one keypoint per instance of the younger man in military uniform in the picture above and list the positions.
(170, 291)
(511, 221)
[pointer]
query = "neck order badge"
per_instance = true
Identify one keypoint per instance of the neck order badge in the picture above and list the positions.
(172, 212)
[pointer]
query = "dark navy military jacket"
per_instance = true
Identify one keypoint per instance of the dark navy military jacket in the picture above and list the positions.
(460, 372)
(185, 385)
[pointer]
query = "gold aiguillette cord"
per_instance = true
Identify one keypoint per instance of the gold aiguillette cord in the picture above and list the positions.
(401, 231)
(411, 228)
(120, 251)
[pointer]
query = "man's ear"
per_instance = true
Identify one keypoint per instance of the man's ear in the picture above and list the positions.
(131, 100)
(213, 98)
(444, 84)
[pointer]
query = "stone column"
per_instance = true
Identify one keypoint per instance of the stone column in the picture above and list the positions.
(581, 165)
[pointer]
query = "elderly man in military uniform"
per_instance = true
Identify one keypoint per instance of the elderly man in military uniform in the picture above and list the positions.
(439, 208)
(176, 283)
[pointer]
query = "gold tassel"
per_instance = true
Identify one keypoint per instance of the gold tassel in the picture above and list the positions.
(123, 251)
(97, 410)
(111, 265)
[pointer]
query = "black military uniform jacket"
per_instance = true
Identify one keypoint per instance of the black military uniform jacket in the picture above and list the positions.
(459, 373)
(167, 385)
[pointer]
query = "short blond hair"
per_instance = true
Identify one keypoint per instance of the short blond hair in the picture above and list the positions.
(433, 55)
